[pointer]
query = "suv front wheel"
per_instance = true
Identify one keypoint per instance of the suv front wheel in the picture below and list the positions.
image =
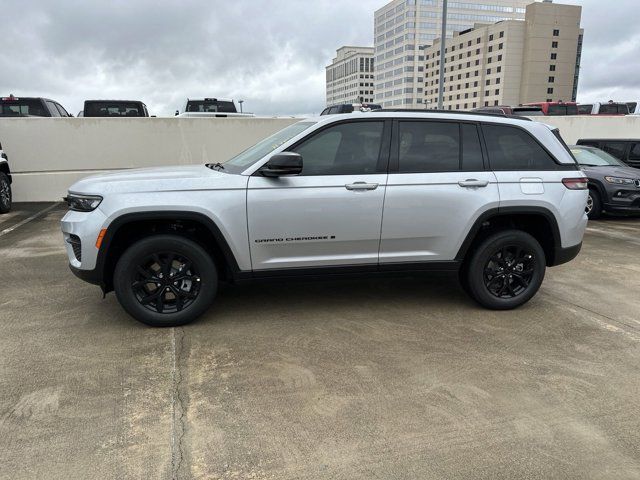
(165, 280)
(506, 270)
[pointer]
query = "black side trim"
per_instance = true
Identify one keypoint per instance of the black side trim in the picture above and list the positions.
(174, 215)
(564, 255)
(90, 276)
(357, 270)
(506, 211)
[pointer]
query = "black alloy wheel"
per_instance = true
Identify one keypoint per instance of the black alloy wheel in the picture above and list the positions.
(166, 282)
(505, 270)
(509, 271)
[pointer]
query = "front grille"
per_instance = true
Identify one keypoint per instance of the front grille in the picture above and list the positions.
(76, 245)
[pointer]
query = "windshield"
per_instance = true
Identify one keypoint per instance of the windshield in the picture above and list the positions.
(251, 155)
(592, 157)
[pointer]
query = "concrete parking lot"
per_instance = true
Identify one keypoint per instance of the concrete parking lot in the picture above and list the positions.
(386, 378)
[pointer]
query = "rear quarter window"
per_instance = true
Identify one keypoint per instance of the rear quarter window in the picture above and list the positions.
(511, 148)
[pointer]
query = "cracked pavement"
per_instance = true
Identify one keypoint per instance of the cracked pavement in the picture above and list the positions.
(366, 378)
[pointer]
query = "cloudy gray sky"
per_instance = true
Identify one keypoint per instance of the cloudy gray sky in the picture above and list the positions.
(271, 53)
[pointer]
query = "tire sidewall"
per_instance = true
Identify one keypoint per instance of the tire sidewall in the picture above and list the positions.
(131, 258)
(488, 248)
(4, 208)
(596, 209)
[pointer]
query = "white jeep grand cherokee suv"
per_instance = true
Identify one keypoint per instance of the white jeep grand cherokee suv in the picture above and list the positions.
(496, 199)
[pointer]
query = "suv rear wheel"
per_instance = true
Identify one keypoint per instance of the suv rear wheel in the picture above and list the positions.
(165, 280)
(506, 270)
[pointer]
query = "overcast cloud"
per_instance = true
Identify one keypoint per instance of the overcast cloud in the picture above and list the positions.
(271, 53)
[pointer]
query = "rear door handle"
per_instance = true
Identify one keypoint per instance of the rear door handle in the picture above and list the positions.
(361, 186)
(472, 182)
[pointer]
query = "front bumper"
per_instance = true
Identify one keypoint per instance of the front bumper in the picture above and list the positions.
(90, 276)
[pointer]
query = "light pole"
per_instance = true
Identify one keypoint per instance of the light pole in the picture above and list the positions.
(443, 43)
(240, 102)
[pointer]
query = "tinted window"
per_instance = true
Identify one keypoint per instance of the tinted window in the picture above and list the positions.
(632, 107)
(113, 109)
(325, 111)
(63, 112)
(211, 106)
(333, 110)
(345, 149)
(634, 154)
(614, 109)
(22, 106)
(471, 150)
(52, 109)
(585, 109)
(557, 110)
(428, 147)
(510, 148)
(617, 149)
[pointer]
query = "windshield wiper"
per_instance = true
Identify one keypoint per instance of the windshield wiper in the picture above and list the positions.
(216, 166)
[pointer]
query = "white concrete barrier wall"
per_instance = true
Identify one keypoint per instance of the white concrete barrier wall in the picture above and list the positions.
(49, 154)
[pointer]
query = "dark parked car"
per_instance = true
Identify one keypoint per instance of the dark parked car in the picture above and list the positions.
(350, 108)
(613, 186)
(5, 183)
(623, 149)
(114, 108)
(31, 107)
(524, 111)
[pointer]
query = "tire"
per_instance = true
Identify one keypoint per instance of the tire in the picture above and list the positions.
(594, 205)
(165, 280)
(5, 193)
(517, 282)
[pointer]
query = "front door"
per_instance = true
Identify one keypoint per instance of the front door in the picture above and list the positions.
(330, 214)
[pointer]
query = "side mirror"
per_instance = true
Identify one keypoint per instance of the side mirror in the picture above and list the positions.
(285, 163)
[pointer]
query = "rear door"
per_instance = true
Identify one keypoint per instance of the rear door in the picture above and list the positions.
(437, 188)
(330, 214)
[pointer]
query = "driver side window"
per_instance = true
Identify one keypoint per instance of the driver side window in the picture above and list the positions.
(346, 149)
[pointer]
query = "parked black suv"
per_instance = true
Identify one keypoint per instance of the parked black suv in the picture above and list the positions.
(623, 149)
(114, 108)
(31, 107)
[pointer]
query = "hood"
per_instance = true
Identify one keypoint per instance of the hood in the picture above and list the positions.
(611, 171)
(160, 179)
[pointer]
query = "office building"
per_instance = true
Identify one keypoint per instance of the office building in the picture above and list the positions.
(510, 62)
(402, 29)
(349, 78)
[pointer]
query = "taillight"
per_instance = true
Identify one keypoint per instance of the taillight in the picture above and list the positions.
(580, 183)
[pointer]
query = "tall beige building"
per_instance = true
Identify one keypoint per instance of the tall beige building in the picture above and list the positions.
(402, 29)
(349, 78)
(510, 62)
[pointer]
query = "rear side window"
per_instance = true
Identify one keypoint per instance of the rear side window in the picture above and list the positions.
(634, 154)
(585, 109)
(428, 147)
(614, 109)
(617, 149)
(511, 148)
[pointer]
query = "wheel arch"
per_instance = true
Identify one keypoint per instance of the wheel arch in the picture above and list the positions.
(131, 227)
(539, 222)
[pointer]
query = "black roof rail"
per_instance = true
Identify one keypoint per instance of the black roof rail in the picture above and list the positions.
(454, 112)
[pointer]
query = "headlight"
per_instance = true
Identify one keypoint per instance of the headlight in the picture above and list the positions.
(619, 180)
(82, 203)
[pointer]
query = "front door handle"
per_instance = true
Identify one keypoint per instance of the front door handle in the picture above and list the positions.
(472, 182)
(361, 186)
